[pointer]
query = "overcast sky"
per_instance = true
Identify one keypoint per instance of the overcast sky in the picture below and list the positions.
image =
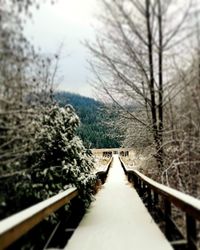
(68, 22)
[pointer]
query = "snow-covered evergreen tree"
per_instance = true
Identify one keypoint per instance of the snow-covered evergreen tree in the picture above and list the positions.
(62, 159)
(59, 160)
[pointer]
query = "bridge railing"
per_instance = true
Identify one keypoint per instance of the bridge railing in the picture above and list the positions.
(160, 198)
(103, 173)
(17, 225)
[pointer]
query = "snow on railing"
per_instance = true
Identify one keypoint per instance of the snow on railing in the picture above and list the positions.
(15, 226)
(186, 203)
(103, 172)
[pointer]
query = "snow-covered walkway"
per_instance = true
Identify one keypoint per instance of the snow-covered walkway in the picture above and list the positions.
(117, 220)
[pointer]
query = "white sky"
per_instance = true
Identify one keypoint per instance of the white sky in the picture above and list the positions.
(68, 22)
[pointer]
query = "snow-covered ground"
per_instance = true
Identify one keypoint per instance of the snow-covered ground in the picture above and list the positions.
(117, 220)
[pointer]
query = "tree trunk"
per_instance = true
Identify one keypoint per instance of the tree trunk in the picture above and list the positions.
(160, 84)
(151, 85)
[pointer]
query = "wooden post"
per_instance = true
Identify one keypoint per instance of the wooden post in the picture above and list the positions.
(167, 210)
(191, 232)
(155, 198)
(135, 180)
(149, 201)
(139, 187)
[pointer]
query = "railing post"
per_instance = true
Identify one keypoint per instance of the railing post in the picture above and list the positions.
(167, 211)
(149, 201)
(140, 187)
(129, 177)
(155, 198)
(135, 181)
(132, 178)
(191, 232)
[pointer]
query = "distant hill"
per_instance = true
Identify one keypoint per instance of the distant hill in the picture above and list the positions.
(93, 130)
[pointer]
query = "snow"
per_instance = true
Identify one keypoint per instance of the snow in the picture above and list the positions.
(102, 168)
(117, 219)
(16, 219)
(191, 201)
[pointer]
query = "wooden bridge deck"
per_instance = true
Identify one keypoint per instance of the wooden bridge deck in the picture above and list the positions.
(117, 220)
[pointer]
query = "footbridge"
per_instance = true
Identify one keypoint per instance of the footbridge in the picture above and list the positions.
(130, 211)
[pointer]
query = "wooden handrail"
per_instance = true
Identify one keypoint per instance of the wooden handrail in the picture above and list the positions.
(15, 226)
(102, 174)
(186, 203)
(105, 168)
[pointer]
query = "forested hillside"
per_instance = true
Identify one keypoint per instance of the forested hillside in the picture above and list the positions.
(94, 129)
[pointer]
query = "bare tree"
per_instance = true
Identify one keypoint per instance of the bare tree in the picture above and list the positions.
(130, 55)
(26, 86)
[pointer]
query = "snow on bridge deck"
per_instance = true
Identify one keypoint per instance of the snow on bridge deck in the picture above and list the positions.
(117, 219)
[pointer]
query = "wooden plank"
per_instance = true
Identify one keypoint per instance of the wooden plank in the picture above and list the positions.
(102, 174)
(183, 201)
(15, 226)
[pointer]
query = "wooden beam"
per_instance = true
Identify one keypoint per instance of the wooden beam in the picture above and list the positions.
(15, 226)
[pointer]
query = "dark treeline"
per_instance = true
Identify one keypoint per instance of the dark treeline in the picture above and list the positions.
(94, 129)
